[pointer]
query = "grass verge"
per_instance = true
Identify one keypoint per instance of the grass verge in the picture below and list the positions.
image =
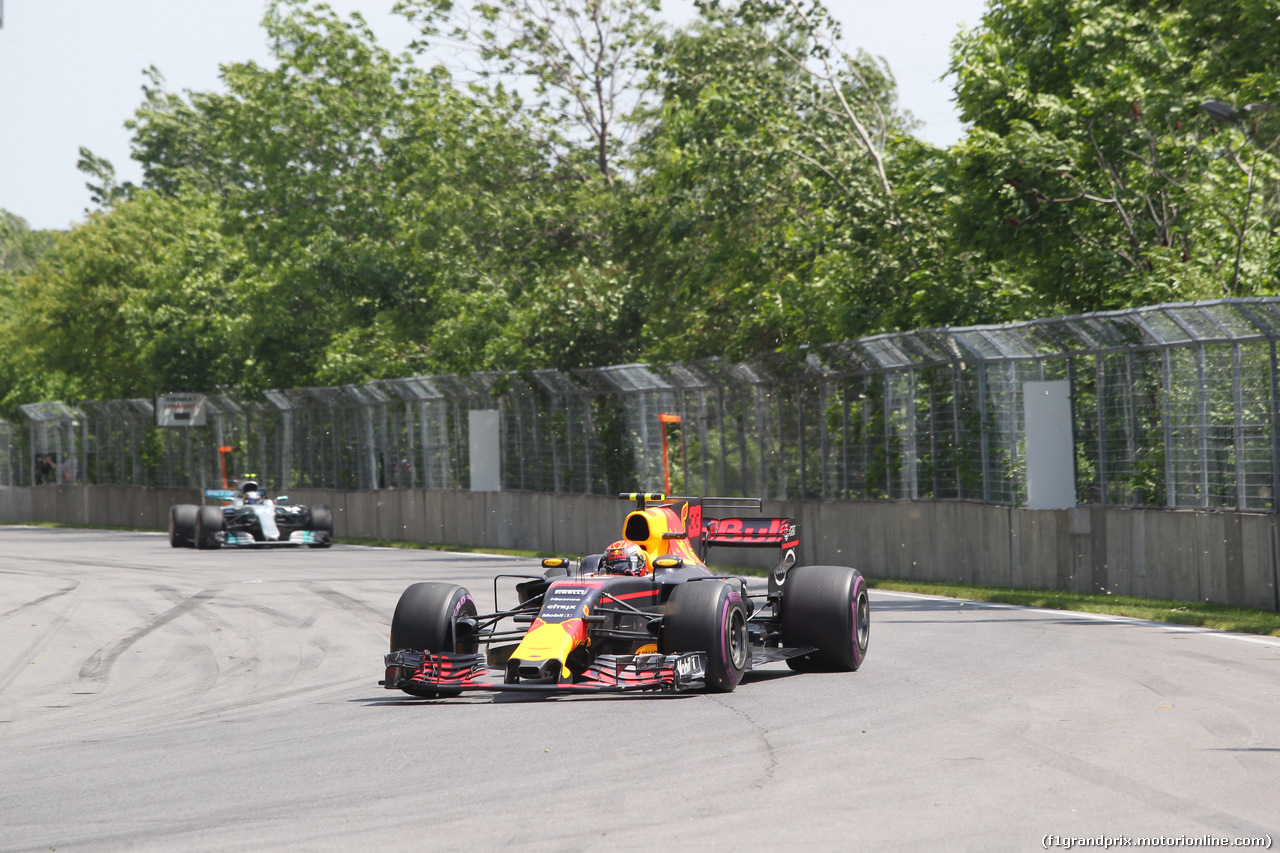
(1219, 617)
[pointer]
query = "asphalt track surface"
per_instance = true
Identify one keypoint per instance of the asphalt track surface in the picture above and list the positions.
(153, 699)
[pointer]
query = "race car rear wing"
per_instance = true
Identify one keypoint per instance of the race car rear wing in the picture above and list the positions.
(781, 533)
(704, 533)
(751, 532)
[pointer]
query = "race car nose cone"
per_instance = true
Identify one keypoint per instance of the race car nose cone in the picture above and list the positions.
(534, 671)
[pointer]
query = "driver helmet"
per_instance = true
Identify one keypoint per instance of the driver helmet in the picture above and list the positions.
(251, 492)
(624, 558)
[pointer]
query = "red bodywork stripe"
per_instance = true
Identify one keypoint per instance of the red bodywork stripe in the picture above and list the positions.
(640, 594)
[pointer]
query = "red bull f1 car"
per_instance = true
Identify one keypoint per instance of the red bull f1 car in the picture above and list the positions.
(247, 517)
(645, 615)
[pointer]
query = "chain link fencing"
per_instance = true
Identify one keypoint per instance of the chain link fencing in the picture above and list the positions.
(10, 461)
(1172, 406)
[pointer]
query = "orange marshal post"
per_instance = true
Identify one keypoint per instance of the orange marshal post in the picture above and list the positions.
(663, 420)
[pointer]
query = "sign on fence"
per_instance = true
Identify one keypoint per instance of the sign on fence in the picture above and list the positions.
(1050, 448)
(180, 410)
(485, 444)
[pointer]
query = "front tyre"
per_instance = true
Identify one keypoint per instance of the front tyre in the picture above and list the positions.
(827, 607)
(426, 619)
(321, 523)
(709, 616)
(182, 525)
(209, 525)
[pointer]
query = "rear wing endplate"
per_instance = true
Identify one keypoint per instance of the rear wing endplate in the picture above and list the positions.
(781, 533)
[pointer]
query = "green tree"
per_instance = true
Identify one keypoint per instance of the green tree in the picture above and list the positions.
(582, 60)
(393, 218)
(569, 299)
(104, 189)
(20, 247)
(175, 139)
(1091, 174)
(770, 208)
(130, 303)
(127, 305)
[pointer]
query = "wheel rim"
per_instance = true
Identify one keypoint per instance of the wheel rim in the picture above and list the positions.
(862, 620)
(737, 639)
(466, 606)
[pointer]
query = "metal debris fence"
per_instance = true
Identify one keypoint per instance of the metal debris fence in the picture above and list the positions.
(9, 462)
(1173, 406)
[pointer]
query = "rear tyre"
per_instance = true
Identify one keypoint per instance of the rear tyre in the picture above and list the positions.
(182, 525)
(208, 525)
(322, 524)
(827, 607)
(425, 620)
(709, 616)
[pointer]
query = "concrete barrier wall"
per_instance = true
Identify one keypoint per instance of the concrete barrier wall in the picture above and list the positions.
(516, 520)
(116, 506)
(1228, 558)
(15, 505)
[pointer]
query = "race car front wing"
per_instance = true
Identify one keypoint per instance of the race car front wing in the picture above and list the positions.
(606, 674)
(241, 539)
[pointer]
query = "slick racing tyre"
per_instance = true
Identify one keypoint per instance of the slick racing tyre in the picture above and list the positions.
(709, 616)
(424, 621)
(321, 523)
(208, 526)
(182, 525)
(827, 607)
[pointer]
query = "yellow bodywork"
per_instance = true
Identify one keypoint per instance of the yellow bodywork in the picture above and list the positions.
(660, 520)
(551, 641)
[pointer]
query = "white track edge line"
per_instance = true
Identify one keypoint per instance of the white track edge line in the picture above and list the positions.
(1271, 642)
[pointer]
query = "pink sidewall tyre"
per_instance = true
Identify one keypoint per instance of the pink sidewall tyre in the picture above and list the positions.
(827, 607)
(709, 616)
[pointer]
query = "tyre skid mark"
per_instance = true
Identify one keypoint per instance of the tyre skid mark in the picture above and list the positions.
(98, 665)
(95, 564)
(24, 659)
(346, 602)
(278, 617)
(340, 689)
(36, 602)
(148, 704)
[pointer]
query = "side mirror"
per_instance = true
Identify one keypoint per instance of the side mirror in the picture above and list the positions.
(668, 563)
